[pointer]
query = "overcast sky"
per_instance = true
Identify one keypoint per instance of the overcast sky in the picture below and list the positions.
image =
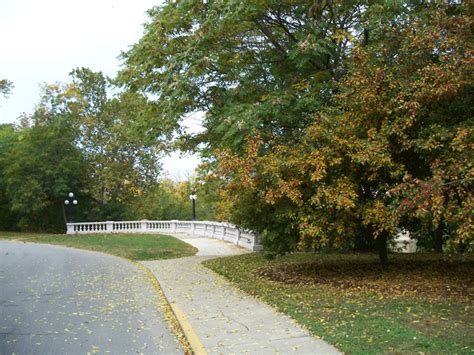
(41, 41)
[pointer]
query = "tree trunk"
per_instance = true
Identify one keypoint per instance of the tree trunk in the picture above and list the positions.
(382, 246)
(438, 238)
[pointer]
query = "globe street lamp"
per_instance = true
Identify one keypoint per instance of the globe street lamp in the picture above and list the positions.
(193, 198)
(69, 202)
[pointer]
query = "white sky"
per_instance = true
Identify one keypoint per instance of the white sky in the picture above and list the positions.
(41, 41)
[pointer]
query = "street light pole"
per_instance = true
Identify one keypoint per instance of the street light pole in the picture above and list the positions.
(69, 201)
(193, 198)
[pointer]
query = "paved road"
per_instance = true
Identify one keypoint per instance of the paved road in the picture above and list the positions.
(55, 300)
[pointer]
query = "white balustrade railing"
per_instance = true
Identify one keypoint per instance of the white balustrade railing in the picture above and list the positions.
(217, 230)
(223, 231)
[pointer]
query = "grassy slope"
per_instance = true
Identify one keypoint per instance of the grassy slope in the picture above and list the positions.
(358, 321)
(134, 247)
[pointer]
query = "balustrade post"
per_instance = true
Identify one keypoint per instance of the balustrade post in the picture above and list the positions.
(144, 225)
(193, 227)
(256, 239)
(238, 237)
(70, 228)
(109, 227)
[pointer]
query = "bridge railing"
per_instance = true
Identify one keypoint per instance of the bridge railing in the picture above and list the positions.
(217, 230)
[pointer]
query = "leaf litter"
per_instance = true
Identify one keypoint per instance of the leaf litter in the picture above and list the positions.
(430, 276)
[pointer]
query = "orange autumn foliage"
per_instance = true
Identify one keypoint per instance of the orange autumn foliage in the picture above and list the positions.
(395, 151)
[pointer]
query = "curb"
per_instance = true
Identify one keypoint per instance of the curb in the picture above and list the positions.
(176, 318)
(193, 339)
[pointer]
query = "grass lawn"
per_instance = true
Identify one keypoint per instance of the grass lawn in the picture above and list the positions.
(130, 246)
(418, 304)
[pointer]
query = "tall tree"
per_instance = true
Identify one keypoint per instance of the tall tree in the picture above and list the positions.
(8, 139)
(342, 105)
(38, 172)
(394, 150)
(264, 65)
(121, 152)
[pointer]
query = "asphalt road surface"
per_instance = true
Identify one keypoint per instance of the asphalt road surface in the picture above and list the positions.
(56, 300)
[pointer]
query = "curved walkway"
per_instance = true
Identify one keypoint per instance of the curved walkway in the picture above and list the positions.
(222, 319)
(56, 300)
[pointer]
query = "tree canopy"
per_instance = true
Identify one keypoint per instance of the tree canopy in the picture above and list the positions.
(88, 137)
(328, 123)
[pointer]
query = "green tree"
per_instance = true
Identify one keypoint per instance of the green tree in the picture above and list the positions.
(324, 121)
(169, 200)
(162, 202)
(38, 171)
(8, 139)
(121, 152)
(250, 65)
(264, 67)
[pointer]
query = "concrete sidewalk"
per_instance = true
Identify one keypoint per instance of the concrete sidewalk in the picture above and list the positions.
(222, 319)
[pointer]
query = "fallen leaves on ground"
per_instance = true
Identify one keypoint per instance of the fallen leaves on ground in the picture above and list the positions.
(429, 276)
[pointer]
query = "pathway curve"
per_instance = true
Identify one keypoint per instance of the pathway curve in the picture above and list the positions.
(224, 319)
(56, 300)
